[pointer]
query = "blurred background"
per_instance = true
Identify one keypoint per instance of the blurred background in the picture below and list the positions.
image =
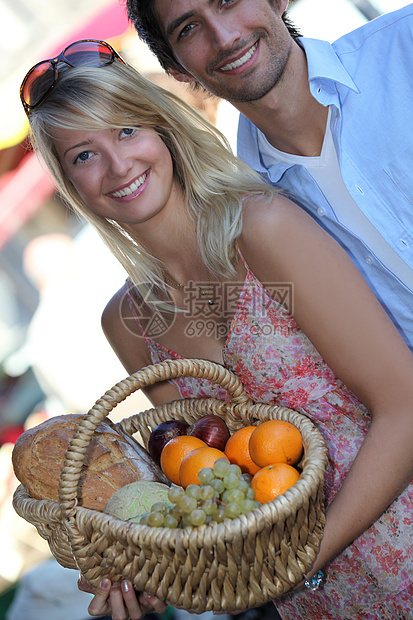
(55, 273)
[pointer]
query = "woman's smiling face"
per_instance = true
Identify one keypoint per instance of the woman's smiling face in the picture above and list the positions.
(124, 175)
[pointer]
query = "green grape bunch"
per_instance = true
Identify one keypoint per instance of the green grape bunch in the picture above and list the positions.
(224, 492)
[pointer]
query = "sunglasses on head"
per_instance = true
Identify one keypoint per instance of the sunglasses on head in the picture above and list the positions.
(40, 80)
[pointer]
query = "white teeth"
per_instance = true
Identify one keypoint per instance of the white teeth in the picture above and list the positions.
(240, 61)
(126, 191)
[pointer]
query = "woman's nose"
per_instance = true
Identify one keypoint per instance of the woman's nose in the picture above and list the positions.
(118, 164)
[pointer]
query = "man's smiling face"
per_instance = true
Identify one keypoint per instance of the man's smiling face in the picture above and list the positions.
(235, 49)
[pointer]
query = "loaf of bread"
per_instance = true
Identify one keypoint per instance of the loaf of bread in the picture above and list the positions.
(112, 460)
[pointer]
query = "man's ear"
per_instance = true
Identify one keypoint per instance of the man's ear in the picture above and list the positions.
(181, 77)
(283, 6)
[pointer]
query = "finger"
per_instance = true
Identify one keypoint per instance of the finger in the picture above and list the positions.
(100, 605)
(135, 609)
(118, 607)
(84, 586)
(152, 603)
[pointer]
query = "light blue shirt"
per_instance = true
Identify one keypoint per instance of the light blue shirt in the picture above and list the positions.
(367, 79)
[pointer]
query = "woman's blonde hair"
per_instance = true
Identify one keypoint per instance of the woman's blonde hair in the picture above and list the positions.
(213, 180)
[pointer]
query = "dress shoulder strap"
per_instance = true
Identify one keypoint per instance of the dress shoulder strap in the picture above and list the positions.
(244, 262)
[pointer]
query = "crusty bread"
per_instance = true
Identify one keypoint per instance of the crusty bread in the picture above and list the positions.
(112, 460)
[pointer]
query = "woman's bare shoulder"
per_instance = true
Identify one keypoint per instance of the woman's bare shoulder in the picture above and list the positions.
(123, 332)
(120, 326)
(273, 229)
(115, 308)
(265, 213)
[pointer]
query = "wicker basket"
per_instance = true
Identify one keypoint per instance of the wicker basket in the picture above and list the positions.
(230, 566)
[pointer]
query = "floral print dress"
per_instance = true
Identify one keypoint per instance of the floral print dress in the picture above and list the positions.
(373, 578)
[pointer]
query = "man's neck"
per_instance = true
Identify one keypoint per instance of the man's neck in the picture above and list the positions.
(289, 116)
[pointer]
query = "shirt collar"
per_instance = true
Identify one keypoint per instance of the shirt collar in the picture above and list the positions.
(324, 64)
(325, 70)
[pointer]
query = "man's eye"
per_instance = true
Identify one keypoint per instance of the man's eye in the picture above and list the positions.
(185, 30)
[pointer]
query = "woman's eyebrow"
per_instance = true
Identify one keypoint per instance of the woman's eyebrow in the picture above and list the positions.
(76, 146)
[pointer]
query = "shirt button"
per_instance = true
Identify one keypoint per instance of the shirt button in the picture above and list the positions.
(321, 212)
(360, 190)
(369, 260)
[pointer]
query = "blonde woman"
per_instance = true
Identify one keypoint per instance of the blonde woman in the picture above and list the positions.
(224, 268)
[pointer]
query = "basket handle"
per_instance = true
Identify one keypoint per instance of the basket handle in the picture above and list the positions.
(149, 375)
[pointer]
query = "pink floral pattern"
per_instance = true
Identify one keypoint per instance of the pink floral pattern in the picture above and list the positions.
(373, 578)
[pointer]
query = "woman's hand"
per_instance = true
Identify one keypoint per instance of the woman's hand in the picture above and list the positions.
(120, 600)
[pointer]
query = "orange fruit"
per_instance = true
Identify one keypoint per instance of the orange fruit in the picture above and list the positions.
(273, 480)
(195, 461)
(238, 452)
(276, 441)
(175, 451)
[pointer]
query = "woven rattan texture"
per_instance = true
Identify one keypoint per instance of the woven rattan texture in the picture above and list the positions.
(234, 565)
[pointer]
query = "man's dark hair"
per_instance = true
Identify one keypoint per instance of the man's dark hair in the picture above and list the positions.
(143, 16)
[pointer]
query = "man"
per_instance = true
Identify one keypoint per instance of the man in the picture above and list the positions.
(330, 124)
